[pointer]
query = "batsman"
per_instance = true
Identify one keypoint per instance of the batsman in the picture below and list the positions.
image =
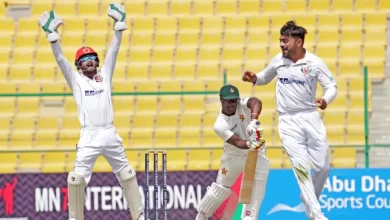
(91, 88)
(238, 126)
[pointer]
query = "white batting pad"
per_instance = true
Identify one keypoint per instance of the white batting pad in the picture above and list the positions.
(76, 200)
(214, 197)
(251, 211)
(129, 185)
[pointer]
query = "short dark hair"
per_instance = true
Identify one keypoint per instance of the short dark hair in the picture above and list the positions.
(293, 30)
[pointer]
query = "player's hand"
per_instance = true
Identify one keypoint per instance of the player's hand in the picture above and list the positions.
(253, 125)
(321, 103)
(118, 13)
(256, 138)
(49, 22)
(249, 77)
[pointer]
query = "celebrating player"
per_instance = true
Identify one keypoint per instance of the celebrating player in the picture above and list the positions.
(92, 91)
(238, 126)
(300, 127)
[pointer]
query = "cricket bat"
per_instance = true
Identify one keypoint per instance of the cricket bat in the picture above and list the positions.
(248, 177)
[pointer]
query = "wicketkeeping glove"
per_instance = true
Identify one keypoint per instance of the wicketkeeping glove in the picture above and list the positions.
(49, 22)
(118, 13)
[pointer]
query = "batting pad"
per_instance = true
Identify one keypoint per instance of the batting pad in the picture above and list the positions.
(76, 200)
(214, 197)
(129, 185)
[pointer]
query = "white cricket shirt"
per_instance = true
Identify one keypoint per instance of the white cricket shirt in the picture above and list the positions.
(296, 82)
(226, 126)
(93, 96)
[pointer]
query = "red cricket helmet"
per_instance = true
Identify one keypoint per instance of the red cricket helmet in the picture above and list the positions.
(84, 51)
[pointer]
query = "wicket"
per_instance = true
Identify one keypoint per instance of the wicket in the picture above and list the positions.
(147, 181)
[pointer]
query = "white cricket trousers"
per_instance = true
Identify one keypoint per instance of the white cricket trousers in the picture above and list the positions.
(304, 138)
(95, 142)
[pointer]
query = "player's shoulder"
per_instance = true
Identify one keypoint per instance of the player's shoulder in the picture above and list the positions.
(278, 58)
(314, 59)
(220, 123)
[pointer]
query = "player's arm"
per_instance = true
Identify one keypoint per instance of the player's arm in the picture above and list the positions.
(49, 22)
(254, 105)
(118, 13)
(328, 84)
(223, 131)
(264, 77)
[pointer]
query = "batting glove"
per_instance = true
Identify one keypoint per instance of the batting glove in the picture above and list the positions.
(253, 125)
(256, 139)
(49, 22)
(118, 13)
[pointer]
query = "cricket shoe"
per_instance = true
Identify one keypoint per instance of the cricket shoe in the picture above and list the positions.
(200, 216)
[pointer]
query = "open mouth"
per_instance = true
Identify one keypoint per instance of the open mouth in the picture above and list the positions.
(90, 64)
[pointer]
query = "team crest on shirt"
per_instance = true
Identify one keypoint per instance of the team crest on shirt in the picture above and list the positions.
(306, 69)
(224, 171)
(242, 117)
(98, 78)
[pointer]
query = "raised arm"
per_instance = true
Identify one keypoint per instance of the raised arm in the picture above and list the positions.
(49, 22)
(264, 77)
(118, 13)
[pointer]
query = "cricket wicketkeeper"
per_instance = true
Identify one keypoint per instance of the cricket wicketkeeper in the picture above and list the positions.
(91, 89)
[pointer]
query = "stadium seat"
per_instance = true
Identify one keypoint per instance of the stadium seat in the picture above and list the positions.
(87, 8)
(72, 40)
(54, 162)
(143, 123)
(177, 160)
(46, 139)
(9, 162)
(166, 26)
(25, 40)
(193, 104)
(354, 37)
(350, 69)
(342, 6)
(70, 122)
(194, 86)
(164, 40)
(101, 165)
(375, 37)
(73, 25)
(170, 86)
(65, 8)
(38, 7)
(207, 71)
(47, 123)
(189, 138)
(52, 88)
(356, 87)
(7, 25)
(70, 159)
(203, 8)
(352, 22)
(199, 160)
(367, 6)
(249, 7)
(344, 157)
(134, 159)
(188, 41)
(278, 21)
(162, 56)
(328, 53)
(161, 71)
(21, 139)
(141, 40)
(210, 139)
(375, 20)
(146, 87)
(216, 158)
(355, 127)
(170, 105)
(157, 8)
(308, 21)
(7, 106)
(211, 40)
(28, 26)
(141, 139)
(329, 22)
(275, 156)
(233, 56)
(97, 41)
(123, 105)
(165, 138)
(295, 6)
(190, 122)
(350, 52)
(180, 8)
(28, 106)
(68, 138)
(339, 104)
(143, 25)
(6, 41)
(70, 106)
(190, 24)
(145, 105)
(226, 8)
(272, 7)
(166, 122)
(24, 123)
(234, 24)
(8, 88)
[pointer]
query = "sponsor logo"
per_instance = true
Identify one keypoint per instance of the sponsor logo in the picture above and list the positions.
(306, 69)
(7, 196)
(291, 81)
(93, 92)
(242, 117)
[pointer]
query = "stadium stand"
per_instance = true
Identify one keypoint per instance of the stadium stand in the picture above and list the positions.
(180, 45)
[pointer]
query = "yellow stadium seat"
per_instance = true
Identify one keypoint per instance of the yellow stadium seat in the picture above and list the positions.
(141, 139)
(143, 25)
(7, 106)
(235, 24)
(227, 7)
(232, 56)
(216, 158)
(21, 139)
(209, 55)
(308, 21)
(163, 40)
(384, 5)
(70, 159)
(38, 7)
(7, 25)
(272, 7)
(209, 40)
(46, 139)
(375, 37)
(188, 41)
(265, 90)
(4, 138)
(31, 161)
(146, 86)
(336, 134)
(234, 39)
(73, 25)
(185, 55)
(8, 88)
(203, 8)
(54, 162)
(295, 6)
(139, 55)
(70, 123)
(6, 41)
(199, 160)
(20, 72)
(72, 40)
(184, 71)
(267, 119)
(157, 8)
(28, 106)
(190, 121)
(342, 6)
(177, 160)
(190, 24)
(145, 105)
(5, 124)
(334, 118)
(339, 104)
(9, 161)
(141, 40)
(354, 37)
(122, 86)
(170, 105)
(180, 7)
(245, 89)
(211, 139)
(209, 120)
(344, 157)
(356, 87)
(167, 25)
(87, 8)
(193, 104)
(365, 5)
(144, 123)
(70, 106)
(44, 57)
(189, 138)
(376, 69)
(134, 158)
(23, 56)
(24, 123)
(278, 21)
(352, 22)
(68, 139)
(53, 88)
(166, 122)
(329, 22)
(162, 56)
(27, 25)
(350, 69)
(96, 41)
(212, 25)
(170, 86)
(25, 40)
(194, 86)
(66, 8)
(165, 138)
(47, 123)
(255, 55)
(134, 8)
(101, 165)
(327, 52)
(328, 37)
(375, 20)
(250, 7)
(350, 52)
(275, 156)
(122, 123)
(99, 25)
